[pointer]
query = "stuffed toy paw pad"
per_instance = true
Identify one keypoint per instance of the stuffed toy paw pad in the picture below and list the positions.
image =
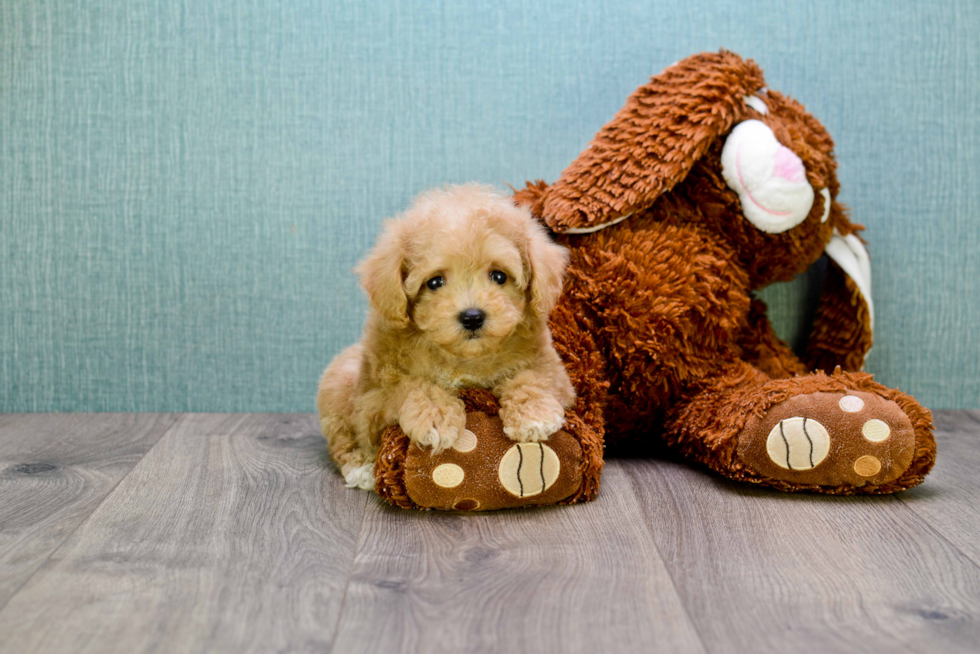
(485, 469)
(830, 439)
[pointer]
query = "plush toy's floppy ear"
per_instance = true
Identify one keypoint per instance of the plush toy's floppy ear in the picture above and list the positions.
(843, 327)
(652, 143)
(382, 274)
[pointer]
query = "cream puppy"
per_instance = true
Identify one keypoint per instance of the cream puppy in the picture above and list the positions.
(460, 287)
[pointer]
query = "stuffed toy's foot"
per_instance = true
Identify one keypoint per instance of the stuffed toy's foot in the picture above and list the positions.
(842, 434)
(839, 441)
(486, 470)
(829, 439)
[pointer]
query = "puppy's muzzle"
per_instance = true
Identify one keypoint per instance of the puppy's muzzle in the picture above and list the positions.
(472, 319)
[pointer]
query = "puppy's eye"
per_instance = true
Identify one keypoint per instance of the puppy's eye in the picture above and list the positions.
(435, 283)
(498, 277)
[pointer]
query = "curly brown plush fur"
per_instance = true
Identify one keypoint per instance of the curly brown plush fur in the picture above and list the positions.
(658, 325)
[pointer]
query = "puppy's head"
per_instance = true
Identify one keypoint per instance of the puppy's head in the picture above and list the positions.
(466, 267)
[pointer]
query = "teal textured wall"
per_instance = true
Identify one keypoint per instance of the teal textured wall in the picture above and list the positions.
(185, 185)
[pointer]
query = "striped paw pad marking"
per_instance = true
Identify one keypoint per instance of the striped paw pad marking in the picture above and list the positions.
(798, 443)
(466, 442)
(867, 466)
(448, 475)
(851, 403)
(529, 469)
(876, 431)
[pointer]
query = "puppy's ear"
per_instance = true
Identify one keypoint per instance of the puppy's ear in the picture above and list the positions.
(382, 275)
(545, 262)
(653, 142)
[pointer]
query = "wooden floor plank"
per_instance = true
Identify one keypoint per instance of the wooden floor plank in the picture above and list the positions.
(769, 572)
(232, 535)
(55, 470)
(583, 578)
(950, 499)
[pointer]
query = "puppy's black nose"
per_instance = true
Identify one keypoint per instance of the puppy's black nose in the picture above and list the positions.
(472, 319)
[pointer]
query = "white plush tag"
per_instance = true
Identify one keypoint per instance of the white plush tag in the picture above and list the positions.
(849, 253)
(596, 228)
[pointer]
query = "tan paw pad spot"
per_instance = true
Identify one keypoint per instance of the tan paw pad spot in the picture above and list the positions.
(466, 442)
(448, 475)
(467, 505)
(867, 466)
(528, 469)
(798, 443)
(876, 430)
(851, 403)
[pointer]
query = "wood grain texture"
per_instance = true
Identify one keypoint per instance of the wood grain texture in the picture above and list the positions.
(950, 500)
(232, 535)
(762, 571)
(584, 578)
(55, 470)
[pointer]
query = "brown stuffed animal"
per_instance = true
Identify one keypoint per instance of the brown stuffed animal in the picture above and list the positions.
(705, 187)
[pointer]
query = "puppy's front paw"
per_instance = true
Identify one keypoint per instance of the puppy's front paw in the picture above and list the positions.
(435, 424)
(532, 420)
(360, 477)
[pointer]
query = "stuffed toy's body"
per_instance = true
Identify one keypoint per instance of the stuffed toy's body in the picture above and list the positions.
(705, 187)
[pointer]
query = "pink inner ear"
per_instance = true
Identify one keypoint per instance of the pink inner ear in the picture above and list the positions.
(787, 165)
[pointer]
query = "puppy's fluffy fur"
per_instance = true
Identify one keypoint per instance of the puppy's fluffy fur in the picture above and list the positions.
(416, 352)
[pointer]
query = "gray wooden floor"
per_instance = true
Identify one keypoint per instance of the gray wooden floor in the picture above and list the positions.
(232, 533)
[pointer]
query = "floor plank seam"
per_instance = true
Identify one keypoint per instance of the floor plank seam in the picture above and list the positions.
(929, 526)
(176, 418)
(673, 583)
(974, 415)
(350, 570)
(251, 546)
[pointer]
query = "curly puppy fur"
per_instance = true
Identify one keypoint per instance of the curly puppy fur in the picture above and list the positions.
(432, 266)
